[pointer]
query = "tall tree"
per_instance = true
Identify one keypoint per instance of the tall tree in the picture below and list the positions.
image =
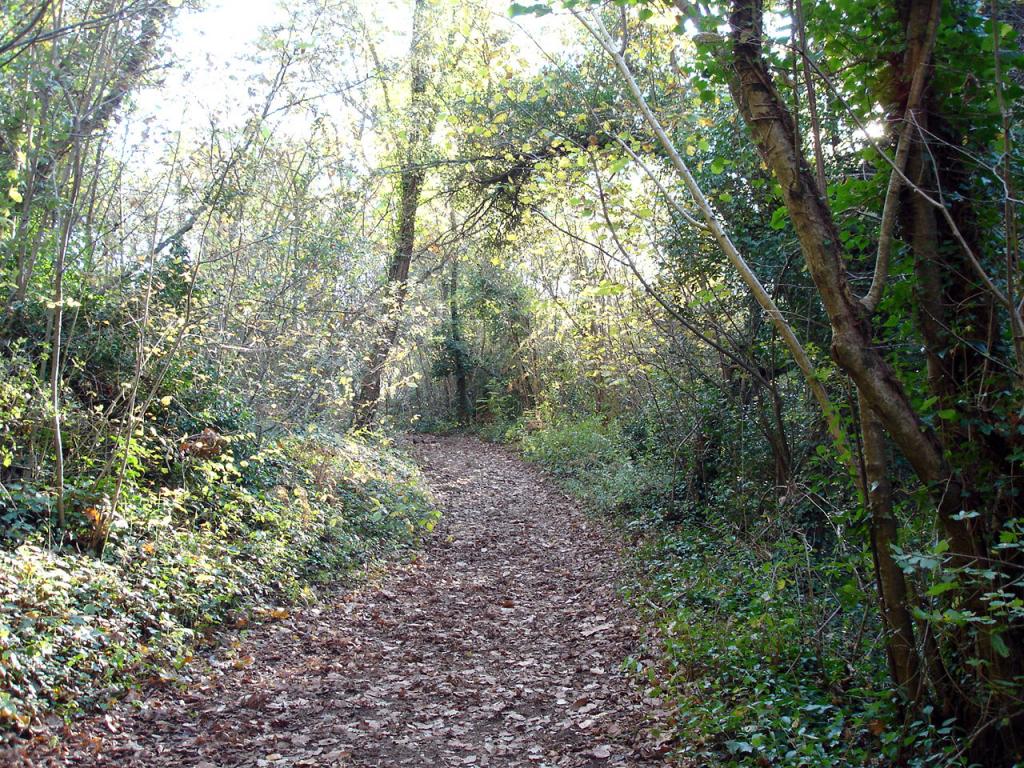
(418, 126)
(966, 318)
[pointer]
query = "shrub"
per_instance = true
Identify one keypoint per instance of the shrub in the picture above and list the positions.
(766, 648)
(242, 534)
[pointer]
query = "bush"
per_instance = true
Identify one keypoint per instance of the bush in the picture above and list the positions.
(767, 650)
(77, 631)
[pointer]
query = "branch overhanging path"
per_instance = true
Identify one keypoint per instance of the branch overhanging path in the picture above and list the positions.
(595, 27)
(501, 644)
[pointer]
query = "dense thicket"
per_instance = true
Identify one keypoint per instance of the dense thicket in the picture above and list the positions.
(745, 274)
(170, 364)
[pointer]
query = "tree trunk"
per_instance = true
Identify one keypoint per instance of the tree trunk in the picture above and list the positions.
(773, 128)
(959, 324)
(880, 391)
(463, 406)
(904, 661)
(364, 406)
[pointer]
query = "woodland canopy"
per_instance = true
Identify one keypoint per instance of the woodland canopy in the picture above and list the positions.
(744, 276)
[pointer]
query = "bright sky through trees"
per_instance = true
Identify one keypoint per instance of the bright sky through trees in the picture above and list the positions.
(211, 54)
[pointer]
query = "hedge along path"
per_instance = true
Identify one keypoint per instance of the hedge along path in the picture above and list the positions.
(500, 645)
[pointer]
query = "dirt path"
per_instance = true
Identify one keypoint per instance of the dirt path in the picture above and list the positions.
(500, 646)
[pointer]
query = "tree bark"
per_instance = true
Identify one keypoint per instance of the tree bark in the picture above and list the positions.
(773, 129)
(419, 126)
(367, 398)
(904, 660)
(463, 406)
(952, 485)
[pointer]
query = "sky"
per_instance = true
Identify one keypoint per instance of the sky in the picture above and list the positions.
(207, 55)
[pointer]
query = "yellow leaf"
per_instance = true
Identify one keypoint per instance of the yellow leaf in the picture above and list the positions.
(14, 194)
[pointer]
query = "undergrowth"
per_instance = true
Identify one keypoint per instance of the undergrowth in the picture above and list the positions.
(179, 506)
(765, 652)
(262, 524)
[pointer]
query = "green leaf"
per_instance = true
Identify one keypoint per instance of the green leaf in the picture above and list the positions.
(737, 747)
(536, 9)
(779, 218)
(941, 588)
(965, 514)
(999, 646)
(618, 164)
(608, 288)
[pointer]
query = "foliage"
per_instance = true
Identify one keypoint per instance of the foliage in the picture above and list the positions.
(764, 646)
(294, 518)
(534, 249)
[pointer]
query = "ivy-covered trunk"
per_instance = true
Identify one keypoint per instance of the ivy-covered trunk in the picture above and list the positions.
(972, 485)
(963, 332)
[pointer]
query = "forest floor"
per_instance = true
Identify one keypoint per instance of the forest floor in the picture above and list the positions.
(500, 644)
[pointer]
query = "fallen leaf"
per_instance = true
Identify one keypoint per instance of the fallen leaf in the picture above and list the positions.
(598, 628)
